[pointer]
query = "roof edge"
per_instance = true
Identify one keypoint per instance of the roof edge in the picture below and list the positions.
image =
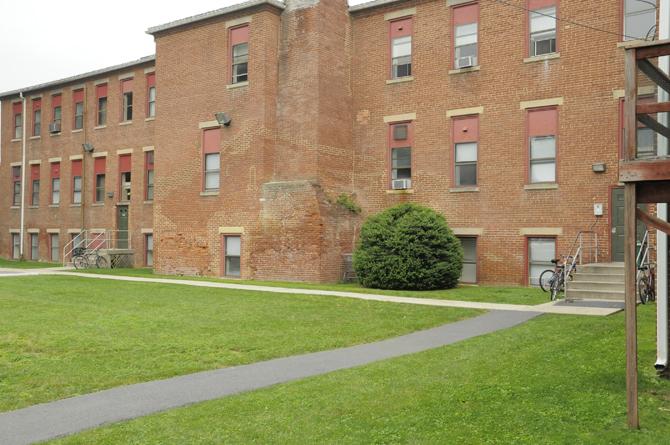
(216, 13)
(66, 80)
(372, 4)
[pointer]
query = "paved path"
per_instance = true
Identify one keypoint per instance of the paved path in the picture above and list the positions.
(549, 308)
(68, 416)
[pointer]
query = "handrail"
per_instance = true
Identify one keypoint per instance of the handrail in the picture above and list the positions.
(96, 240)
(643, 253)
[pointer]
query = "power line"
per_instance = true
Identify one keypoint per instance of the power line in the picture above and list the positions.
(572, 22)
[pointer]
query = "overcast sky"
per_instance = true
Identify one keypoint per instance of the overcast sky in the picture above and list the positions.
(41, 41)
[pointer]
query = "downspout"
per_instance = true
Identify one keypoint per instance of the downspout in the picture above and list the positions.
(83, 162)
(23, 175)
(662, 212)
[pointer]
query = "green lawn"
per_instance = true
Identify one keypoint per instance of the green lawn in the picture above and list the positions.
(553, 380)
(485, 294)
(61, 336)
(15, 264)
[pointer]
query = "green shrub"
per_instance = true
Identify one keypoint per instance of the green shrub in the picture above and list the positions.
(408, 247)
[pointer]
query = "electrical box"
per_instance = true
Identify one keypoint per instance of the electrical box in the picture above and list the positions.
(598, 209)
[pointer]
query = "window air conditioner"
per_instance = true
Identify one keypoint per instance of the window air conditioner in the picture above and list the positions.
(401, 184)
(465, 62)
(54, 127)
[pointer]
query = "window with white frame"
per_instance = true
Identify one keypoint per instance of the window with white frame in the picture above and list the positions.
(16, 185)
(465, 33)
(149, 249)
(466, 164)
(401, 48)
(469, 274)
(16, 246)
(54, 246)
(542, 31)
(233, 244)
(540, 253)
(542, 133)
(401, 151)
(34, 246)
(639, 19)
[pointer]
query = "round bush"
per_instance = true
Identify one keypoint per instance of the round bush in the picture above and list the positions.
(408, 247)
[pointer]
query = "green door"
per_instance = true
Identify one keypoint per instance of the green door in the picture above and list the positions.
(122, 227)
(617, 225)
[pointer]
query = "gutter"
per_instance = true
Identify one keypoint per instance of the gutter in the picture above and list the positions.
(23, 175)
(662, 212)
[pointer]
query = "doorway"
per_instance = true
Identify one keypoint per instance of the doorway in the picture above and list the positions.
(122, 227)
(617, 224)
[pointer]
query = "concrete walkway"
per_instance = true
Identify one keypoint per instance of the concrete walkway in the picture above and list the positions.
(548, 308)
(69, 416)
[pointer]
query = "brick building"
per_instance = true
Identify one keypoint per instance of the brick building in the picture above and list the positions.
(263, 114)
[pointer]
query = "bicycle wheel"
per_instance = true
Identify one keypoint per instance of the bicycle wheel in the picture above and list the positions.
(545, 280)
(101, 262)
(79, 262)
(642, 289)
(556, 287)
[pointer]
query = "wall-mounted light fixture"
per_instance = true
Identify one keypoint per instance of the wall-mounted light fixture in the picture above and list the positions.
(223, 118)
(599, 167)
(88, 148)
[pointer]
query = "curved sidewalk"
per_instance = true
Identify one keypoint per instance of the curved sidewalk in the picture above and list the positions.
(555, 307)
(64, 417)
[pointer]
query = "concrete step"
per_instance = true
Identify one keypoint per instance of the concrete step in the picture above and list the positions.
(595, 286)
(601, 268)
(598, 277)
(597, 295)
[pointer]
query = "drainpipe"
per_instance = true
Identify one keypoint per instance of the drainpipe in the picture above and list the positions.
(23, 175)
(662, 212)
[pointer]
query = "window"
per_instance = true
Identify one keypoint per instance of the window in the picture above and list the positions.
(540, 253)
(127, 91)
(149, 165)
(542, 130)
(78, 240)
(78, 100)
(16, 186)
(124, 178)
(54, 247)
(99, 166)
(149, 249)
(211, 159)
(76, 182)
(34, 246)
(16, 246)
(639, 19)
(151, 95)
(55, 183)
(542, 18)
(401, 48)
(35, 185)
(101, 94)
(465, 36)
(232, 255)
(401, 151)
(37, 117)
(56, 112)
(469, 274)
(17, 108)
(466, 135)
(239, 50)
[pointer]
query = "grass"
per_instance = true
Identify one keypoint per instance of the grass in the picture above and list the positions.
(62, 336)
(553, 380)
(24, 264)
(485, 294)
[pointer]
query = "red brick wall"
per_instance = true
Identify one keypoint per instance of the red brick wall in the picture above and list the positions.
(113, 137)
(590, 67)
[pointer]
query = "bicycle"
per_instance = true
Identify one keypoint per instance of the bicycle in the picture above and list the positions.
(553, 281)
(646, 283)
(87, 258)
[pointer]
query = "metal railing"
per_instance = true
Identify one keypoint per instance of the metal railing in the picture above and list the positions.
(97, 240)
(643, 250)
(584, 248)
